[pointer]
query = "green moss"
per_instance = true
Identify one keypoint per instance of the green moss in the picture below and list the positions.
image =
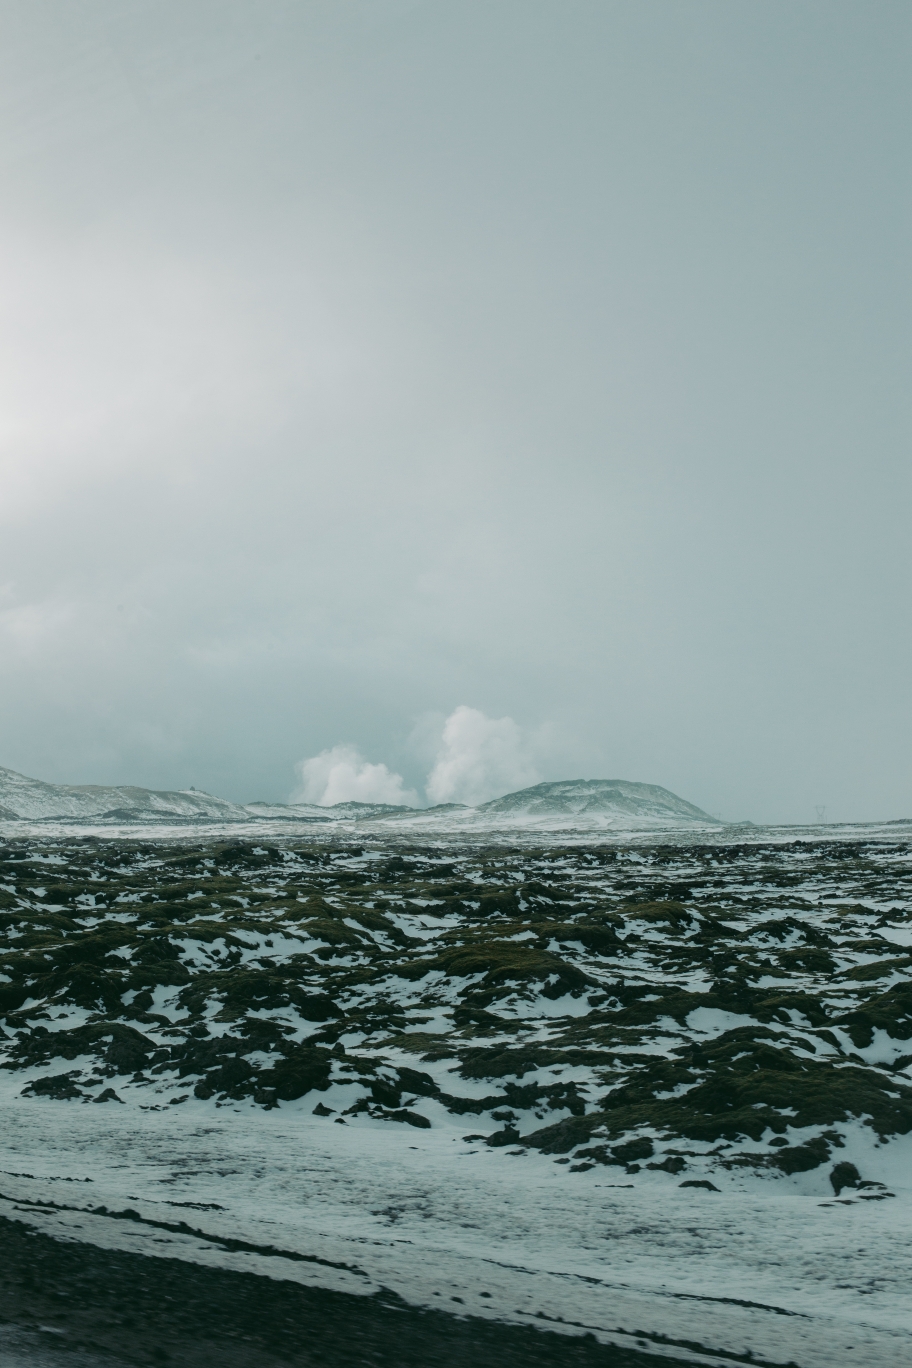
(502, 1061)
(123, 1047)
(890, 1011)
(747, 1086)
(812, 958)
(304, 1069)
(721, 914)
(59, 1086)
(869, 973)
(672, 915)
(503, 964)
(430, 1047)
(802, 1158)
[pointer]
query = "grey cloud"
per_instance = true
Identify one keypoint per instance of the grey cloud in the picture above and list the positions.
(360, 361)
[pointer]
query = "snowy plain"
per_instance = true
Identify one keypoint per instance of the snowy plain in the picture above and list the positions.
(784, 1274)
(775, 1267)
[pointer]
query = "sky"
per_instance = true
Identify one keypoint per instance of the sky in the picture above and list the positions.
(416, 400)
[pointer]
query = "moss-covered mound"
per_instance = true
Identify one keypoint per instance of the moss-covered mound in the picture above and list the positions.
(587, 999)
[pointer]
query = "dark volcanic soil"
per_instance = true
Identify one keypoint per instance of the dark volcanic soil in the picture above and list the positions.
(164, 1311)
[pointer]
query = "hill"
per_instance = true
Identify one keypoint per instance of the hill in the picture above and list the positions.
(579, 803)
(33, 800)
(602, 801)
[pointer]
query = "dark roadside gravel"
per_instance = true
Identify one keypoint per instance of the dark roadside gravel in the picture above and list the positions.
(130, 1309)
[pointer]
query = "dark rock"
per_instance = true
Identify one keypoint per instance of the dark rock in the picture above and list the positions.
(640, 1148)
(54, 1085)
(303, 1069)
(508, 1136)
(801, 1158)
(673, 1164)
(844, 1175)
(410, 1118)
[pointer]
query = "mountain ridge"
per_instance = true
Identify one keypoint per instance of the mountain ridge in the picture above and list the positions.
(576, 797)
(26, 799)
(588, 802)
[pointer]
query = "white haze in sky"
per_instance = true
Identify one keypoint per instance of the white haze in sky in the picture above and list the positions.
(357, 360)
(478, 758)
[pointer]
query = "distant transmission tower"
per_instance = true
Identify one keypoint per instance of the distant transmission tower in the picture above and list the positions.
(821, 812)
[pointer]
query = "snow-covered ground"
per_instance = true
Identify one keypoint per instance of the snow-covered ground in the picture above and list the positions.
(781, 1274)
(468, 824)
(758, 954)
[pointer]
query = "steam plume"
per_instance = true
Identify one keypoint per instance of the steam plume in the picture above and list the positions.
(479, 758)
(342, 775)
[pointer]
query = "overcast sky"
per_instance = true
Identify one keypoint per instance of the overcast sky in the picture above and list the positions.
(543, 367)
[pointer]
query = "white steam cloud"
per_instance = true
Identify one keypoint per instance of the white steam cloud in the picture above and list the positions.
(342, 775)
(478, 758)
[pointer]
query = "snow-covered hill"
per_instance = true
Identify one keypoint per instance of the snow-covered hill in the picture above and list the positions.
(33, 800)
(601, 802)
(584, 804)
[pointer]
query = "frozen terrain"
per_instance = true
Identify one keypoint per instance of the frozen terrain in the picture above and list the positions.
(32, 800)
(653, 1087)
(581, 804)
